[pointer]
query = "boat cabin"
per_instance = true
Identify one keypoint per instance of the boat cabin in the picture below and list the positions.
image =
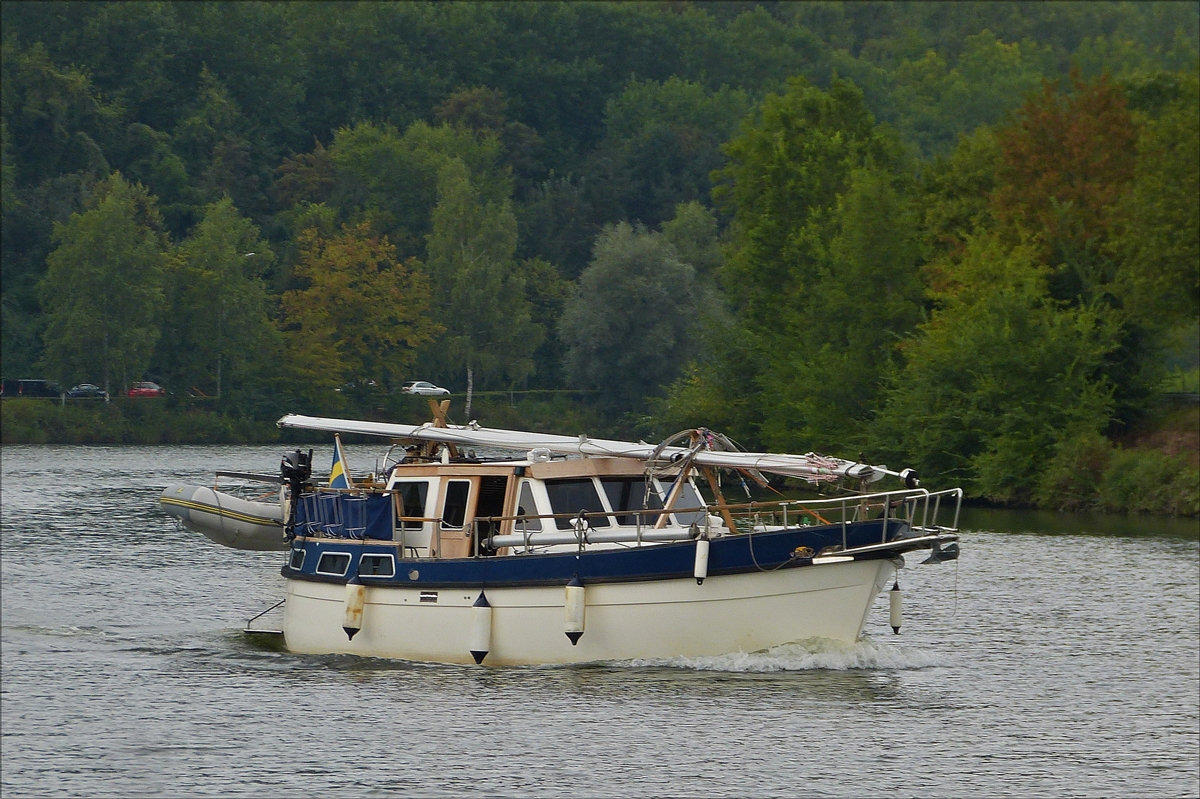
(447, 509)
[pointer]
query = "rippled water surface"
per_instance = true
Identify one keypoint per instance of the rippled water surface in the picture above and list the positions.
(1039, 664)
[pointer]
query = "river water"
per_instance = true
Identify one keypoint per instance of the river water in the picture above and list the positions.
(1060, 656)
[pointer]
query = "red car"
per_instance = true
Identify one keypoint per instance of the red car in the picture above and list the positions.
(147, 390)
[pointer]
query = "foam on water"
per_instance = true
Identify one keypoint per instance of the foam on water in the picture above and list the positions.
(810, 654)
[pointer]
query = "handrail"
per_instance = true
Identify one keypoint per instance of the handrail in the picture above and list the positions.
(908, 504)
(886, 498)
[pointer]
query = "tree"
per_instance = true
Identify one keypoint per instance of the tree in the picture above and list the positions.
(485, 112)
(1159, 219)
(218, 326)
(821, 266)
(53, 127)
(630, 328)
(1066, 161)
(787, 167)
(827, 362)
(480, 293)
(663, 140)
(359, 316)
(999, 378)
(693, 233)
(103, 291)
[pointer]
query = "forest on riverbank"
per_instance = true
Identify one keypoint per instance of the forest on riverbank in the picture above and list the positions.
(958, 236)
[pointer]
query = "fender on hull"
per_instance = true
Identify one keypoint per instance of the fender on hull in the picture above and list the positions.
(226, 519)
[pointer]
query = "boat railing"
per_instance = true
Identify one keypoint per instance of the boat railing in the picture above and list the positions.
(918, 507)
(248, 486)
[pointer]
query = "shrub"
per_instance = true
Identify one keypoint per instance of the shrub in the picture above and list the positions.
(1150, 481)
(1072, 479)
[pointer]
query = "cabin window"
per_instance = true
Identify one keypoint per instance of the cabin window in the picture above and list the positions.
(572, 496)
(412, 498)
(454, 511)
(377, 565)
(688, 498)
(334, 563)
(527, 506)
(297, 561)
(492, 491)
(628, 493)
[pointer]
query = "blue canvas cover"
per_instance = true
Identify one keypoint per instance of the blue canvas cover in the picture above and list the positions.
(342, 516)
(379, 517)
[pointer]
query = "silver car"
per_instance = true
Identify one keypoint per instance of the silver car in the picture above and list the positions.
(423, 388)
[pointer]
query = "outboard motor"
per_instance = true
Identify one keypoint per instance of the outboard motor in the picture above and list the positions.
(296, 469)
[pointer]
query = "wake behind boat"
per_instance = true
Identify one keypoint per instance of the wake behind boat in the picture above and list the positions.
(577, 549)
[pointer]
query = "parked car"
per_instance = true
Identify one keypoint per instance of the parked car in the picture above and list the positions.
(86, 390)
(30, 388)
(147, 389)
(423, 388)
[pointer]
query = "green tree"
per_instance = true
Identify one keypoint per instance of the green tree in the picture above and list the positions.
(954, 194)
(630, 328)
(480, 293)
(663, 141)
(103, 290)
(693, 233)
(218, 328)
(376, 174)
(821, 265)
(999, 379)
(787, 168)
(1159, 219)
(54, 125)
(826, 364)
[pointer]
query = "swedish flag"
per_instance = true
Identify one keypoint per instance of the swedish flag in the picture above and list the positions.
(339, 475)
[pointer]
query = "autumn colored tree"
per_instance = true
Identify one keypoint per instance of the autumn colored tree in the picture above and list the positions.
(359, 316)
(1066, 161)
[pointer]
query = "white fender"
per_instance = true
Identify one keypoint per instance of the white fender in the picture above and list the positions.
(700, 570)
(356, 597)
(574, 608)
(481, 628)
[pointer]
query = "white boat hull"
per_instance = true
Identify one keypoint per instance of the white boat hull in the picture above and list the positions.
(639, 620)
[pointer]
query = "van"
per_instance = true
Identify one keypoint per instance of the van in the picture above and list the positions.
(30, 388)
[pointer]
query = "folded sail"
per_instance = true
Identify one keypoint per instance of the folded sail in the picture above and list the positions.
(806, 467)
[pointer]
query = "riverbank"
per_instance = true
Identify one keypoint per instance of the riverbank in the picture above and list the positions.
(1153, 470)
(126, 420)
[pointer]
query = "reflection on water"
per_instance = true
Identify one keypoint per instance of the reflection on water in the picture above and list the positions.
(1037, 664)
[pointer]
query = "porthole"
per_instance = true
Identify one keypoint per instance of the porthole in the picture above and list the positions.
(333, 563)
(377, 565)
(297, 561)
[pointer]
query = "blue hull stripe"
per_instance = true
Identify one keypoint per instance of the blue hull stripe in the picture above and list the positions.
(727, 555)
